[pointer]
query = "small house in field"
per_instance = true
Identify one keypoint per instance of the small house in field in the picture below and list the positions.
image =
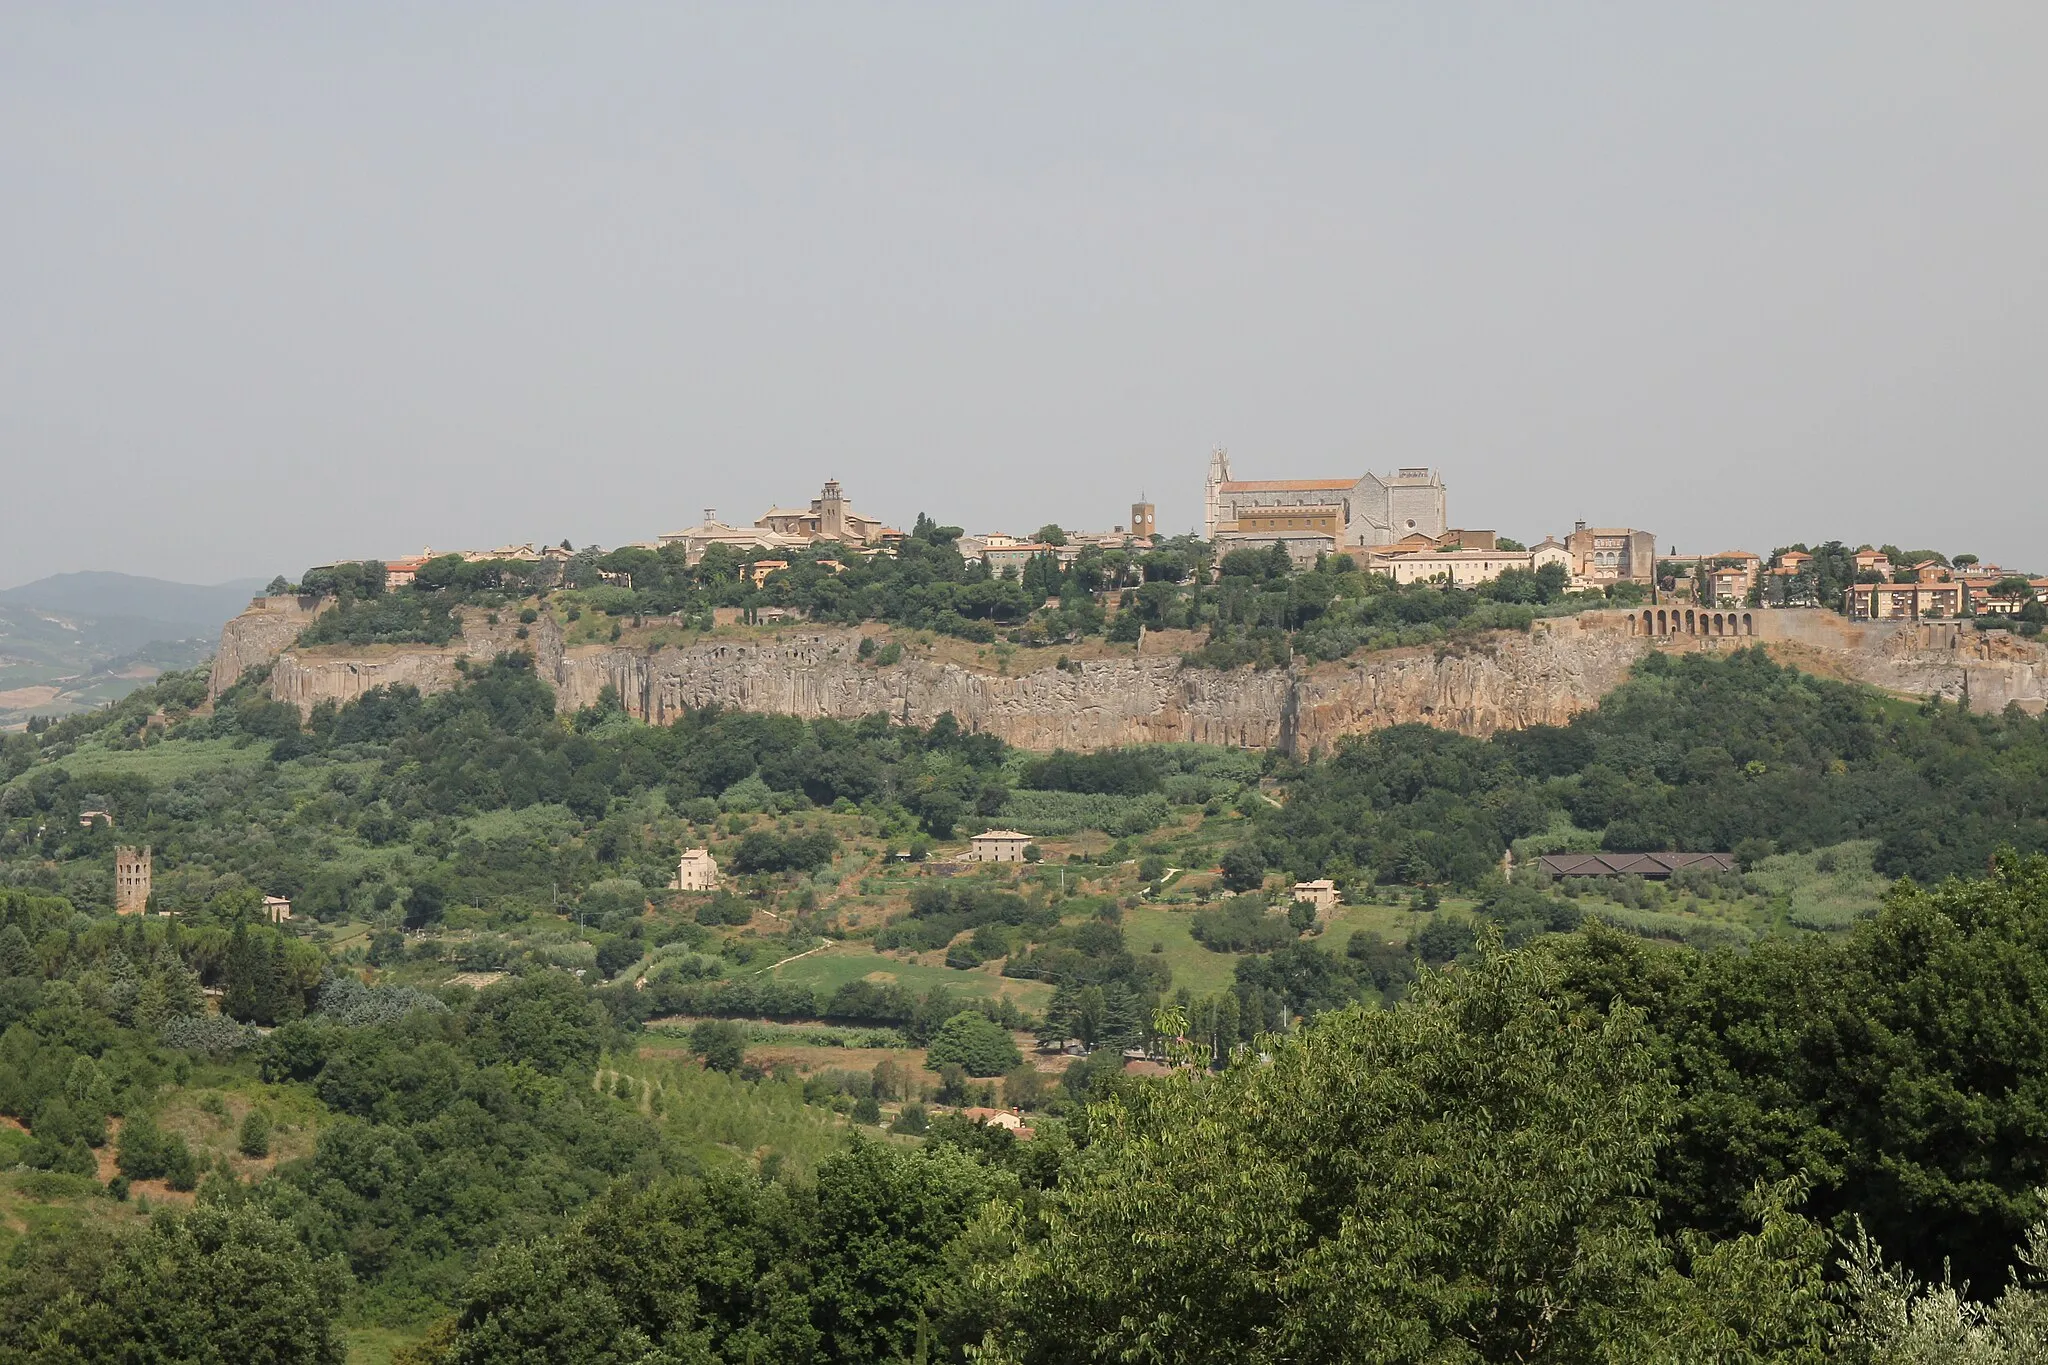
(997, 846)
(1321, 893)
(277, 909)
(1008, 1119)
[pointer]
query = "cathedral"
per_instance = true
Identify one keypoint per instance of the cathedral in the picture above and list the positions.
(1371, 510)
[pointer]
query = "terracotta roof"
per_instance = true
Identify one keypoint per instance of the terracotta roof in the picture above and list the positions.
(1285, 485)
(1001, 834)
(1639, 864)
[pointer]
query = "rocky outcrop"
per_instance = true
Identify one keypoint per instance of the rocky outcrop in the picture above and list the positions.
(1543, 678)
(1953, 660)
(1508, 681)
(256, 636)
(341, 673)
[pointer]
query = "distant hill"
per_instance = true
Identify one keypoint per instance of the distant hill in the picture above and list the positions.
(191, 608)
(73, 641)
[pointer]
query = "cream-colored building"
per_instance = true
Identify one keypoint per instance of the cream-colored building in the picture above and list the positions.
(997, 846)
(696, 870)
(1461, 568)
(1321, 893)
(277, 909)
(695, 540)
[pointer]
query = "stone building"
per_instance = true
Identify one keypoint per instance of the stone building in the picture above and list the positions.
(829, 517)
(1611, 554)
(997, 846)
(131, 880)
(695, 540)
(1144, 520)
(1372, 509)
(1464, 560)
(277, 909)
(696, 870)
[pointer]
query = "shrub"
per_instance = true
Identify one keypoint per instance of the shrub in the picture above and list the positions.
(722, 1045)
(975, 1043)
(255, 1135)
(147, 1152)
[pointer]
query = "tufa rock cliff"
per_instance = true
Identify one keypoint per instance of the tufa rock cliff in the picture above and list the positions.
(341, 673)
(1560, 668)
(256, 636)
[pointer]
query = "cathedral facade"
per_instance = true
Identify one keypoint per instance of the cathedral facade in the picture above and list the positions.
(1371, 510)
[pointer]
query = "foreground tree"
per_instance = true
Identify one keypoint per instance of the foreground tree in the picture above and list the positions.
(735, 1269)
(1461, 1178)
(213, 1285)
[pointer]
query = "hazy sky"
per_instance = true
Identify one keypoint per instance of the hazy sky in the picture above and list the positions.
(285, 284)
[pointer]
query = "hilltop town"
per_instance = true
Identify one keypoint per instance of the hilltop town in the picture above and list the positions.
(1395, 525)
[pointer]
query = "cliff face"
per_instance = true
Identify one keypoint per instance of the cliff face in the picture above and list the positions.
(1513, 681)
(814, 674)
(255, 637)
(1953, 660)
(1562, 667)
(341, 673)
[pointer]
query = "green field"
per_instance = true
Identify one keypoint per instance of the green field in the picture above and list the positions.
(165, 763)
(1194, 966)
(833, 967)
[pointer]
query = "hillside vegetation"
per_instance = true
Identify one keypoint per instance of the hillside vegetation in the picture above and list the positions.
(495, 1091)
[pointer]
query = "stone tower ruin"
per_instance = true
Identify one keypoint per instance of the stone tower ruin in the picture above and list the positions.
(131, 880)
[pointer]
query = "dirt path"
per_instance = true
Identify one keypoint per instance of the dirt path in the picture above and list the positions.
(806, 953)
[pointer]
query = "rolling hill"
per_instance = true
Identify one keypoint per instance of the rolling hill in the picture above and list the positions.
(72, 641)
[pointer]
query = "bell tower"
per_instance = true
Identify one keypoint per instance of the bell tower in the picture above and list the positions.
(1212, 492)
(832, 512)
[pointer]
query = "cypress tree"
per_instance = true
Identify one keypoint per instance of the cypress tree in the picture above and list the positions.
(246, 966)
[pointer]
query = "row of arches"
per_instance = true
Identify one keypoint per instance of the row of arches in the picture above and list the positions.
(1691, 622)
